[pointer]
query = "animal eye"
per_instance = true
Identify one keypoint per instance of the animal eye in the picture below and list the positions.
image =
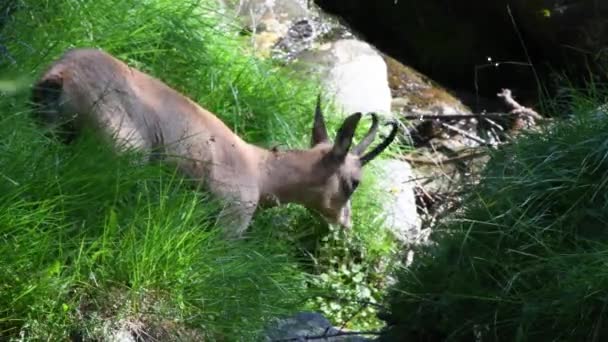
(355, 184)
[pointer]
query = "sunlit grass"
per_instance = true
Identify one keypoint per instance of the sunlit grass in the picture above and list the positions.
(89, 239)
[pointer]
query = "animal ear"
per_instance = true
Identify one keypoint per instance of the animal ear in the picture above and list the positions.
(319, 131)
(344, 137)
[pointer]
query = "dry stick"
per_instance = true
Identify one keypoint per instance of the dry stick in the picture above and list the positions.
(428, 195)
(488, 65)
(496, 64)
(466, 134)
(494, 124)
(517, 108)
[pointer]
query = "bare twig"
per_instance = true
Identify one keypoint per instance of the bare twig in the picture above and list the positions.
(494, 124)
(491, 64)
(466, 134)
(517, 108)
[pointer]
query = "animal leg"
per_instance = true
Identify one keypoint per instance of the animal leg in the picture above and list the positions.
(235, 218)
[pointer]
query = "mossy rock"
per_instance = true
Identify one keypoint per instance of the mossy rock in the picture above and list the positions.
(410, 88)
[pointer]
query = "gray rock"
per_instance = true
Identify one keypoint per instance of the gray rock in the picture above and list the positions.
(396, 179)
(254, 12)
(121, 335)
(353, 73)
(306, 324)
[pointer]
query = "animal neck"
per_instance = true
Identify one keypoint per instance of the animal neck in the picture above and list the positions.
(288, 177)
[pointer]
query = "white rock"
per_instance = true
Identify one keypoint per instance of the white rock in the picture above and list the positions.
(359, 78)
(353, 74)
(396, 178)
(254, 12)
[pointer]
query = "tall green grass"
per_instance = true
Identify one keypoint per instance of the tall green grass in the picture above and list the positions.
(526, 261)
(83, 243)
(90, 241)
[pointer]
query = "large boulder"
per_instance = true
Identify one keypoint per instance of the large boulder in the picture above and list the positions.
(353, 73)
(396, 179)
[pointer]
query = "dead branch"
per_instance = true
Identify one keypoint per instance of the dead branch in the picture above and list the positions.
(505, 94)
(466, 134)
(517, 108)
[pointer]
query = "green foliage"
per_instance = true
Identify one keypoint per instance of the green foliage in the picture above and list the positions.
(77, 239)
(353, 267)
(88, 237)
(90, 240)
(349, 268)
(526, 260)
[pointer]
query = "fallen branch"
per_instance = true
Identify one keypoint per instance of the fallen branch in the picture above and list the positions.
(517, 108)
(505, 94)
(494, 124)
(466, 134)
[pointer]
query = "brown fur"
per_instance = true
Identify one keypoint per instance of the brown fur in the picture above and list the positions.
(134, 110)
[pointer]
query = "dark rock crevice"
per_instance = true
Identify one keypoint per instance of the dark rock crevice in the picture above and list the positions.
(451, 41)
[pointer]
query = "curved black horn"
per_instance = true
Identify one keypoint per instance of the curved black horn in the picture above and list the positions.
(319, 131)
(369, 137)
(378, 149)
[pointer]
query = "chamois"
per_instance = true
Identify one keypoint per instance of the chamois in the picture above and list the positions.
(89, 87)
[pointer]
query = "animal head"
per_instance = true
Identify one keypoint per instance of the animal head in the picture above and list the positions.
(339, 168)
